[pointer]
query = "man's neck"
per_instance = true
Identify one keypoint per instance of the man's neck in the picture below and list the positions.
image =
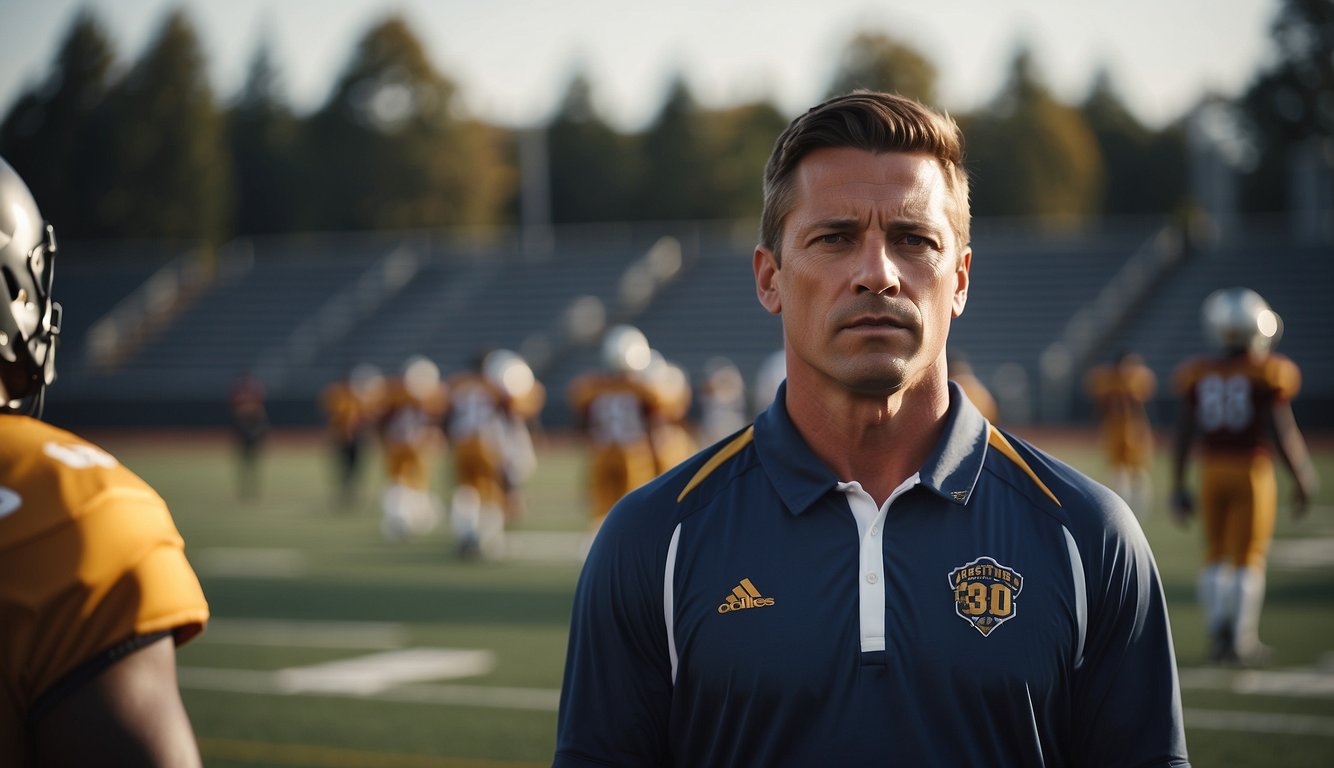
(877, 441)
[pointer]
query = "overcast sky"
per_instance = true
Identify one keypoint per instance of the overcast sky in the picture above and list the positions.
(513, 58)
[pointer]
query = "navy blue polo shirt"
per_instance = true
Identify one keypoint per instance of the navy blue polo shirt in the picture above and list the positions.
(750, 608)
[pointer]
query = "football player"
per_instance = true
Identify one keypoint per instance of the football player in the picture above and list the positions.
(722, 400)
(1237, 407)
(350, 407)
(489, 407)
(616, 408)
(95, 590)
(1119, 391)
(961, 373)
(672, 440)
(411, 437)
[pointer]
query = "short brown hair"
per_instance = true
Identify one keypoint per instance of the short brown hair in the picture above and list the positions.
(871, 121)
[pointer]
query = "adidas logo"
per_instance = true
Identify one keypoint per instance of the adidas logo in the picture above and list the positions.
(744, 595)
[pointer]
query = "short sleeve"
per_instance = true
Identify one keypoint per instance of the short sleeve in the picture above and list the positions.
(115, 571)
(1285, 378)
(1127, 708)
(616, 698)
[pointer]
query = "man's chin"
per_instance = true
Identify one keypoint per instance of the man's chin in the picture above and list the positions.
(876, 380)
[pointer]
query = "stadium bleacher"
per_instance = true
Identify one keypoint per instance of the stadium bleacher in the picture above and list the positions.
(303, 309)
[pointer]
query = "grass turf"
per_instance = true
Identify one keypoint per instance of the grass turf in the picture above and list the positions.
(293, 555)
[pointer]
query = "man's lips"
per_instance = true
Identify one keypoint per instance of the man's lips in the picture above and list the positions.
(877, 321)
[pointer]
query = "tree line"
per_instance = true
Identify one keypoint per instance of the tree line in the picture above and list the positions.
(151, 151)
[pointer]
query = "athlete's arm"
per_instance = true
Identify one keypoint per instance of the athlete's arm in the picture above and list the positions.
(129, 714)
(1292, 449)
(1183, 506)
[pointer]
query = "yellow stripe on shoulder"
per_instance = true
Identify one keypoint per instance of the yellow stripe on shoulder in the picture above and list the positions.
(717, 460)
(996, 440)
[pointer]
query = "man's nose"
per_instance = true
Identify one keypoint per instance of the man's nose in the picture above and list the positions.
(876, 271)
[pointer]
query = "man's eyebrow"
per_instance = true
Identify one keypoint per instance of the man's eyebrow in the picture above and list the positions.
(833, 222)
(920, 225)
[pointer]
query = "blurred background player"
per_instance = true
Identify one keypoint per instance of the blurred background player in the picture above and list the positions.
(722, 400)
(526, 398)
(350, 407)
(768, 377)
(250, 423)
(615, 409)
(486, 423)
(95, 590)
(1237, 407)
(1120, 391)
(411, 438)
(669, 434)
(961, 372)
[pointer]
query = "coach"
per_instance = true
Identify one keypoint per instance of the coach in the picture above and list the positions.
(871, 574)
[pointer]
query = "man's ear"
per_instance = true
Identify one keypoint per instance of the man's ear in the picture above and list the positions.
(766, 280)
(961, 282)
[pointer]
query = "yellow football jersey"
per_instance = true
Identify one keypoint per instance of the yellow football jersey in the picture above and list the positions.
(1120, 393)
(89, 559)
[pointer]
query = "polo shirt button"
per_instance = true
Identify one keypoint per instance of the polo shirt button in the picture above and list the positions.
(875, 531)
(871, 578)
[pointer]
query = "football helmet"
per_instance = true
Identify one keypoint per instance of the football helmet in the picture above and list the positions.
(625, 349)
(421, 377)
(509, 371)
(1239, 320)
(29, 319)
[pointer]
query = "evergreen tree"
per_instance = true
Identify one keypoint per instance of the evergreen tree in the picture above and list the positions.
(57, 134)
(261, 137)
(1145, 170)
(1291, 103)
(676, 183)
(592, 166)
(174, 175)
(1031, 155)
(740, 140)
(878, 62)
(388, 149)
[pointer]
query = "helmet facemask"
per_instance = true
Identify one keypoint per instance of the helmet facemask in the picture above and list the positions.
(29, 319)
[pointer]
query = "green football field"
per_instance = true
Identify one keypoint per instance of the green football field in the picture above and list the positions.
(330, 647)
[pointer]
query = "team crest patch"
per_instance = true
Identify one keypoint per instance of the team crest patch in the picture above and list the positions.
(985, 593)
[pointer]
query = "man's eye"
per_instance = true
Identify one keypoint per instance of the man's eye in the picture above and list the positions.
(832, 238)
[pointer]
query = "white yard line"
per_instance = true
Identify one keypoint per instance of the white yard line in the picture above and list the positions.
(369, 675)
(1302, 553)
(1311, 683)
(1259, 722)
(273, 684)
(378, 672)
(365, 635)
(250, 562)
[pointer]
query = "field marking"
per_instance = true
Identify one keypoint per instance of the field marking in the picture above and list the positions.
(359, 676)
(1302, 553)
(256, 682)
(1289, 683)
(1259, 722)
(378, 672)
(250, 562)
(369, 635)
(545, 546)
(311, 755)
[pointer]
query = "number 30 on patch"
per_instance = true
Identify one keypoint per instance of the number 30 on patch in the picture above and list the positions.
(985, 593)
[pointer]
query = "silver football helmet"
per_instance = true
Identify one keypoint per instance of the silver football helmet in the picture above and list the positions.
(509, 371)
(29, 319)
(625, 349)
(1240, 320)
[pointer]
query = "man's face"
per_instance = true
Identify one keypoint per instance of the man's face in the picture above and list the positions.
(872, 272)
